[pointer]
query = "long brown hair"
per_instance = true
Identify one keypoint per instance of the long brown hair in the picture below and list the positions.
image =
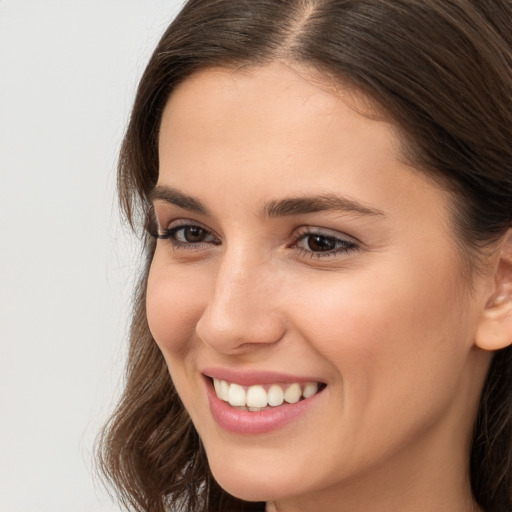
(442, 70)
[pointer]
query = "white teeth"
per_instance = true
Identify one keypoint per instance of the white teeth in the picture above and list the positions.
(236, 395)
(292, 394)
(275, 395)
(224, 390)
(255, 398)
(310, 389)
(216, 385)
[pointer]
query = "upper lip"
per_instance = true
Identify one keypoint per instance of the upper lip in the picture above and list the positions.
(253, 377)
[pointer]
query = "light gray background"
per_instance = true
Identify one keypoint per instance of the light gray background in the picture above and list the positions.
(68, 72)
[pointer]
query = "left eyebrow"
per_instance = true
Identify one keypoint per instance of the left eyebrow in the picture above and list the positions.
(313, 204)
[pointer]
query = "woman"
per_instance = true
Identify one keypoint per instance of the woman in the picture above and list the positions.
(325, 314)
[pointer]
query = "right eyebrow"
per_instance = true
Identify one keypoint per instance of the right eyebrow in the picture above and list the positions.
(320, 203)
(173, 196)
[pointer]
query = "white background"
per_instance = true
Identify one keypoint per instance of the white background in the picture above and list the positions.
(68, 72)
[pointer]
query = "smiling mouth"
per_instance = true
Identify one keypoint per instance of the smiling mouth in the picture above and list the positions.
(261, 397)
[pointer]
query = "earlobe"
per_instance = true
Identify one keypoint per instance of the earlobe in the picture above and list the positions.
(494, 330)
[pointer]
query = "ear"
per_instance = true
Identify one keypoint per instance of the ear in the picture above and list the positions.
(494, 330)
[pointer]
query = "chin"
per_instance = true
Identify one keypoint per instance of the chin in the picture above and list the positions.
(251, 484)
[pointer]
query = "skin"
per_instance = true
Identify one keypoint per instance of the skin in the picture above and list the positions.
(388, 325)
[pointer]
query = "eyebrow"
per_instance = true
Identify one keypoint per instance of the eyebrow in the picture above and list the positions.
(275, 208)
(174, 196)
(313, 204)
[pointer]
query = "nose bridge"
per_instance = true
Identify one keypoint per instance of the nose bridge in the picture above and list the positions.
(242, 304)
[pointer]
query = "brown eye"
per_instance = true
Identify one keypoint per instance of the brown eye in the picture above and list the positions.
(324, 243)
(320, 243)
(191, 234)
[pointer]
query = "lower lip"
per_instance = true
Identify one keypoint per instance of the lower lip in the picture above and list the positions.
(258, 422)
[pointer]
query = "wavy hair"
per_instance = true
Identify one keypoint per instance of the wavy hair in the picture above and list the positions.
(442, 70)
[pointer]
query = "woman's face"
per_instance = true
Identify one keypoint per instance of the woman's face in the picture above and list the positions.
(299, 255)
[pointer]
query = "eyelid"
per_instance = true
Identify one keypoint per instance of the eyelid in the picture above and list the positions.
(317, 230)
(347, 243)
(327, 232)
(178, 224)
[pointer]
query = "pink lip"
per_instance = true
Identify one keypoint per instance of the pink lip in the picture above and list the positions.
(251, 423)
(251, 378)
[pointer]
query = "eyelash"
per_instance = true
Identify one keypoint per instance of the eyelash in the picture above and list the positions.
(341, 245)
(171, 235)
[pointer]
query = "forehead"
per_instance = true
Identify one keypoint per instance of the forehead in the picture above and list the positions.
(253, 86)
(272, 115)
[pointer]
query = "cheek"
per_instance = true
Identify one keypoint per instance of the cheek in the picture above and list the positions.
(175, 301)
(390, 332)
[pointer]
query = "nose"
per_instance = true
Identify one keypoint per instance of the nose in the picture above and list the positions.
(242, 313)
